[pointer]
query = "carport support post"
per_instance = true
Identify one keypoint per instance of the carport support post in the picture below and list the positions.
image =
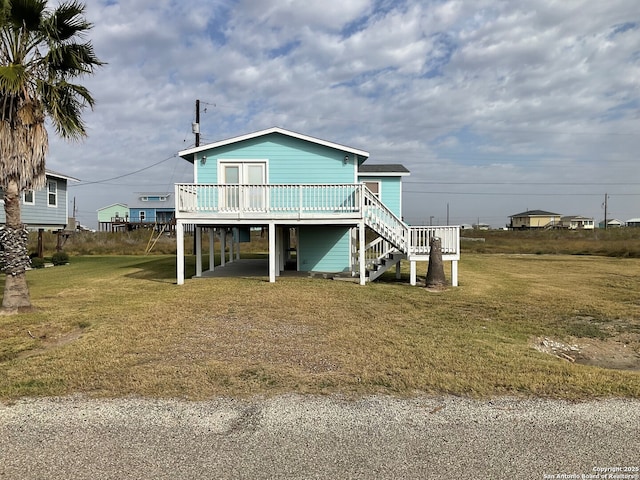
(272, 252)
(180, 252)
(223, 246)
(198, 245)
(212, 253)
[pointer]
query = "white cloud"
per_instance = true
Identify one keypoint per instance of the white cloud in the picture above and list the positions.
(457, 90)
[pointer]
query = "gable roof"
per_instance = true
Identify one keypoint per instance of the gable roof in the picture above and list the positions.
(391, 169)
(113, 205)
(138, 203)
(51, 173)
(190, 153)
(535, 213)
(575, 217)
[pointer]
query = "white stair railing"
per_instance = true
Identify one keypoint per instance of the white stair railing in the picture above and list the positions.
(384, 222)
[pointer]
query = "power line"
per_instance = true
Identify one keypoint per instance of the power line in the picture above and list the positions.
(532, 194)
(83, 183)
(522, 183)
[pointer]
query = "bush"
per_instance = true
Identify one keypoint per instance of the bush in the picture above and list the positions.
(60, 258)
(37, 262)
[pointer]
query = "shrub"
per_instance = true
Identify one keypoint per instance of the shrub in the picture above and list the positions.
(60, 258)
(37, 262)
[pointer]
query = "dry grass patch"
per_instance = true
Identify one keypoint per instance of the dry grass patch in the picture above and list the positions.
(134, 332)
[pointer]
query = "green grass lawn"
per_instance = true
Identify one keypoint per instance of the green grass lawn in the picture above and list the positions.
(113, 326)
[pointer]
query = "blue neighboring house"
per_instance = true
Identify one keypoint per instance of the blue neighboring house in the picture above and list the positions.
(152, 208)
(48, 207)
(345, 215)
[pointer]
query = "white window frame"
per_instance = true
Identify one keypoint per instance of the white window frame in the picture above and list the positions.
(232, 200)
(52, 193)
(33, 197)
(377, 194)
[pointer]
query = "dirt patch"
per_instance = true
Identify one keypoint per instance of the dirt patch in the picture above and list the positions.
(619, 352)
(51, 343)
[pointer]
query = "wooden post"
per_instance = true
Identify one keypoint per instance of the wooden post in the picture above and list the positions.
(40, 243)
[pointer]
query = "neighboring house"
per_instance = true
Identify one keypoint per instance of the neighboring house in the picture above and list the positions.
(152, 208)
(481, 226)
(345, 217)
(534, 219)
(577, 222)
(48, 207)
(633, 222)
(611, 223)
(111, 216)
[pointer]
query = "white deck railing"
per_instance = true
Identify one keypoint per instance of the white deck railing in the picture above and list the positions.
(420, 239)
(266, 200)
(195, 201)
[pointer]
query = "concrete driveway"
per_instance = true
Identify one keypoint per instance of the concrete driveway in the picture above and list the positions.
(300, 437)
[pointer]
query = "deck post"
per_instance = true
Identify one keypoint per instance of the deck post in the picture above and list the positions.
(272, 252)
(454, 273)
(212, 253)
(398, 275)
(180, 252)
(223, 246)
(280, 242)
(231, 244)
(198, 246)
(237, 244)
(412, 274)
(362, 260)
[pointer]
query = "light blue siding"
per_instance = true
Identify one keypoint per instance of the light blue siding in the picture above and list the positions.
(390, 191)
(289, 160)
(324, 249)
(151, 215)
(41, 214)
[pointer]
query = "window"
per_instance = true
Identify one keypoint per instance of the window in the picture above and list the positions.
(28, 197)
(374, 187)
(52, 189)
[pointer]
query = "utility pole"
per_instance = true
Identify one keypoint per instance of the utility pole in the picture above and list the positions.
(605, 211)
(195, 127)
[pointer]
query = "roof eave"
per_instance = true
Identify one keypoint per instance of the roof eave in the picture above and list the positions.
(189, 154)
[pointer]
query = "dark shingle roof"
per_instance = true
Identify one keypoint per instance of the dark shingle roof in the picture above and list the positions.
(536, 213)
(382, 168)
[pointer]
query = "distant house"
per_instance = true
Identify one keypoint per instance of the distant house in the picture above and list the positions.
(633, 222)
(577, 222)
(48, 207)
(534, 219)
(152, 208)
(112, 216)
(481, 226)
(611, 223)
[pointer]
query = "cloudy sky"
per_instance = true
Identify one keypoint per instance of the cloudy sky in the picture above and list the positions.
(495, 107)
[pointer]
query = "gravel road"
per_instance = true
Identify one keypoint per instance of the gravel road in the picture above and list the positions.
(303, 437)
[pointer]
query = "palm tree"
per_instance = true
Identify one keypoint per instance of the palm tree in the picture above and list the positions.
(41, 51)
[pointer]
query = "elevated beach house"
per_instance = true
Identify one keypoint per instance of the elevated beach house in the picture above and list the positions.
(46, 208)
(345, 216)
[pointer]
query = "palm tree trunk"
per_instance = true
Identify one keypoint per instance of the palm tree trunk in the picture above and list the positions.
(14, 245)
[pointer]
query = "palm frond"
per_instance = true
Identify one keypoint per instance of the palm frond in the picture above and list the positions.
(64, 102)
(12, 79)
(66, 21)
(71, 59)
(25, 14)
